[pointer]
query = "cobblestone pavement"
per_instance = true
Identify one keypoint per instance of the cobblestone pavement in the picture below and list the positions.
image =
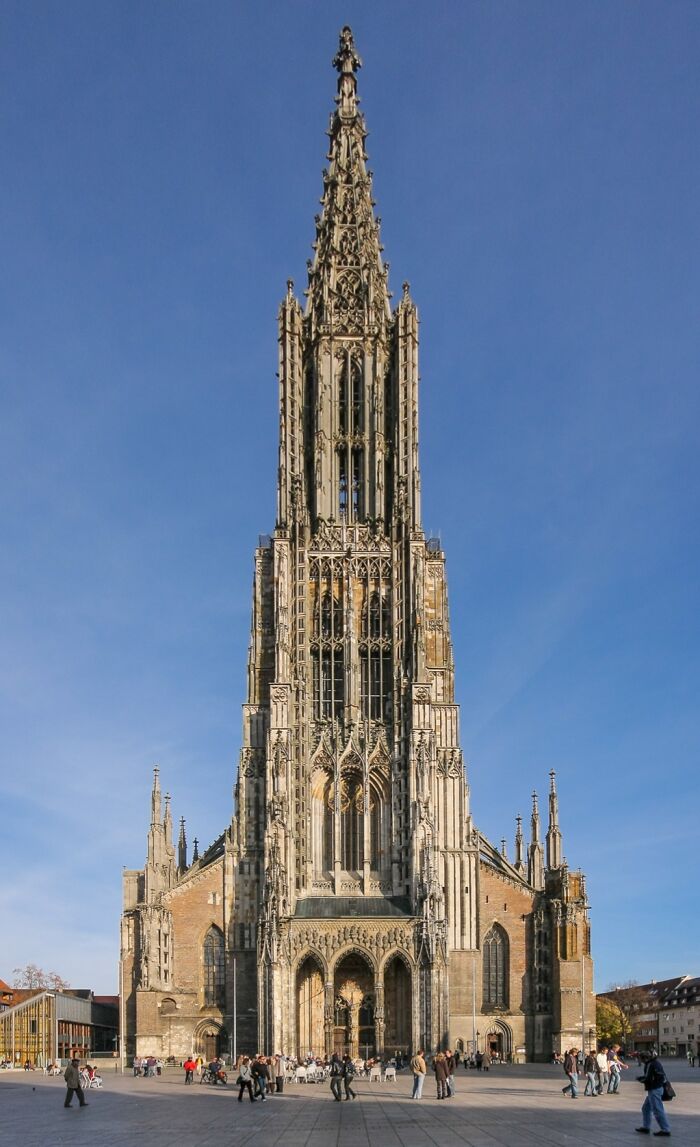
(508, 1107)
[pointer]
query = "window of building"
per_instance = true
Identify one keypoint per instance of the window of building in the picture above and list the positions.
(214, 968)
(495, 968)
(351, 824)
(328, 681)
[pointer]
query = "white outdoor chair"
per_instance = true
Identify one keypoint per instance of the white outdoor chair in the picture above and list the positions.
(96, 1081)
(300, 1075)
(375, 1075)
(390, 1074)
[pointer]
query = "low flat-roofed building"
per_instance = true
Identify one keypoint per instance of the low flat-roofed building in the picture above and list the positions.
(43, 1026)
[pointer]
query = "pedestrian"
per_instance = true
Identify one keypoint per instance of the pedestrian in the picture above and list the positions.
(590, 1068)
(348, 1076)
(136, 1066)
(602, 1064)
(419, 1071)
(571, 1071)
(335, 1072)
(73, 1084)
(190, 1067)
(245, 1080)
(440, 1069)
(261, 1077)
(450, 1064)
(654, 1079)
(479, 1060)
(615, 1068)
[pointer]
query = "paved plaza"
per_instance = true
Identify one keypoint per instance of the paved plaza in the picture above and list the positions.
(508, 1107)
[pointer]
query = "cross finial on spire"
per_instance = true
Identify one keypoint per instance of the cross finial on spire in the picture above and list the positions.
(155, 797)
(346, 59)
(552, 781)
(347, 62)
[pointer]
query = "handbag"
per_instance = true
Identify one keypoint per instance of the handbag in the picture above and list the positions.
(669, 1092)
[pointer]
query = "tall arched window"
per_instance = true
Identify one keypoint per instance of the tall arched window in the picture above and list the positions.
(495, 970)
(322, 801)
(214, 971)
(379, 824)
(331, 619)
(351, 824)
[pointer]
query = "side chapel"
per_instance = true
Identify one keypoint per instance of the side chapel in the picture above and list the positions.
(351, 904)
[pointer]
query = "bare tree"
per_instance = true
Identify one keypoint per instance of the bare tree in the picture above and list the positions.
(32, 976)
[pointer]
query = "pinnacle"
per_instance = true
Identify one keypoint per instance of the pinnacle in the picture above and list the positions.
(347, 279)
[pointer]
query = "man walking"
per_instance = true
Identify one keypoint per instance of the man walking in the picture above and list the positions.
(654, 1079)
(348, 1076)
(336, 1077)
(419, 1069)
(571, 1070)
(72, 1078)
(590, 1068)
(602, 1064)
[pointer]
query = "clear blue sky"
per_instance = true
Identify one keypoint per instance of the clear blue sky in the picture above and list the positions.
(537, 172)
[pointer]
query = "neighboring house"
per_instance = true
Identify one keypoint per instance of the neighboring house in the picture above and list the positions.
(644, 1007)
(6, 996)
(679, 1018)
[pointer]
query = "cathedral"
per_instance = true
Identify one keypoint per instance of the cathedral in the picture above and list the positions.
(351, 904)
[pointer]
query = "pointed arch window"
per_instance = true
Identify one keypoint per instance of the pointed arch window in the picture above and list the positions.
(379, 824)
(331, 620)
(495, 968)
(214, 968)
(358, 485)
(357, 398)
(328, 681)
(322, 804)
(352, 806)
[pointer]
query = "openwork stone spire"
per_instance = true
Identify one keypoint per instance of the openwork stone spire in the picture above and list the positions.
(347, 281)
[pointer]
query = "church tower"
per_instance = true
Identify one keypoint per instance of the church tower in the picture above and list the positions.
(352, 905)
(357, 848)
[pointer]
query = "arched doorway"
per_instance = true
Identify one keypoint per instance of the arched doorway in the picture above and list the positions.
(209, 1040)
(310, 1000)
(353, 990)
(397, 1006)
(499, 1042)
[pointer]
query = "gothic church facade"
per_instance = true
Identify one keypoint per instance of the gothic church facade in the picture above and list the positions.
(352, 904)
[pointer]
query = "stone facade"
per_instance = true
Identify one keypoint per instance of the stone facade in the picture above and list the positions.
(352, 898)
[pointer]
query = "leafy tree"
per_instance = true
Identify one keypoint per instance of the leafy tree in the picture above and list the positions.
(607, 1021)
(32, 976)
(616, 1011)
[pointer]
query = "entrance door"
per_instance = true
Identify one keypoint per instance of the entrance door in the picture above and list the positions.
(354, 1007)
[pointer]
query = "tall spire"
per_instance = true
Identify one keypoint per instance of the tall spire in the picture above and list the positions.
(347, 281)
(182, 847)
(155, 798)
(519, 845)
(535, 858)
(554, 844)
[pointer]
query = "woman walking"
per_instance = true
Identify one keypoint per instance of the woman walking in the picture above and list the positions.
(440, 1069)
(245, 1080)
